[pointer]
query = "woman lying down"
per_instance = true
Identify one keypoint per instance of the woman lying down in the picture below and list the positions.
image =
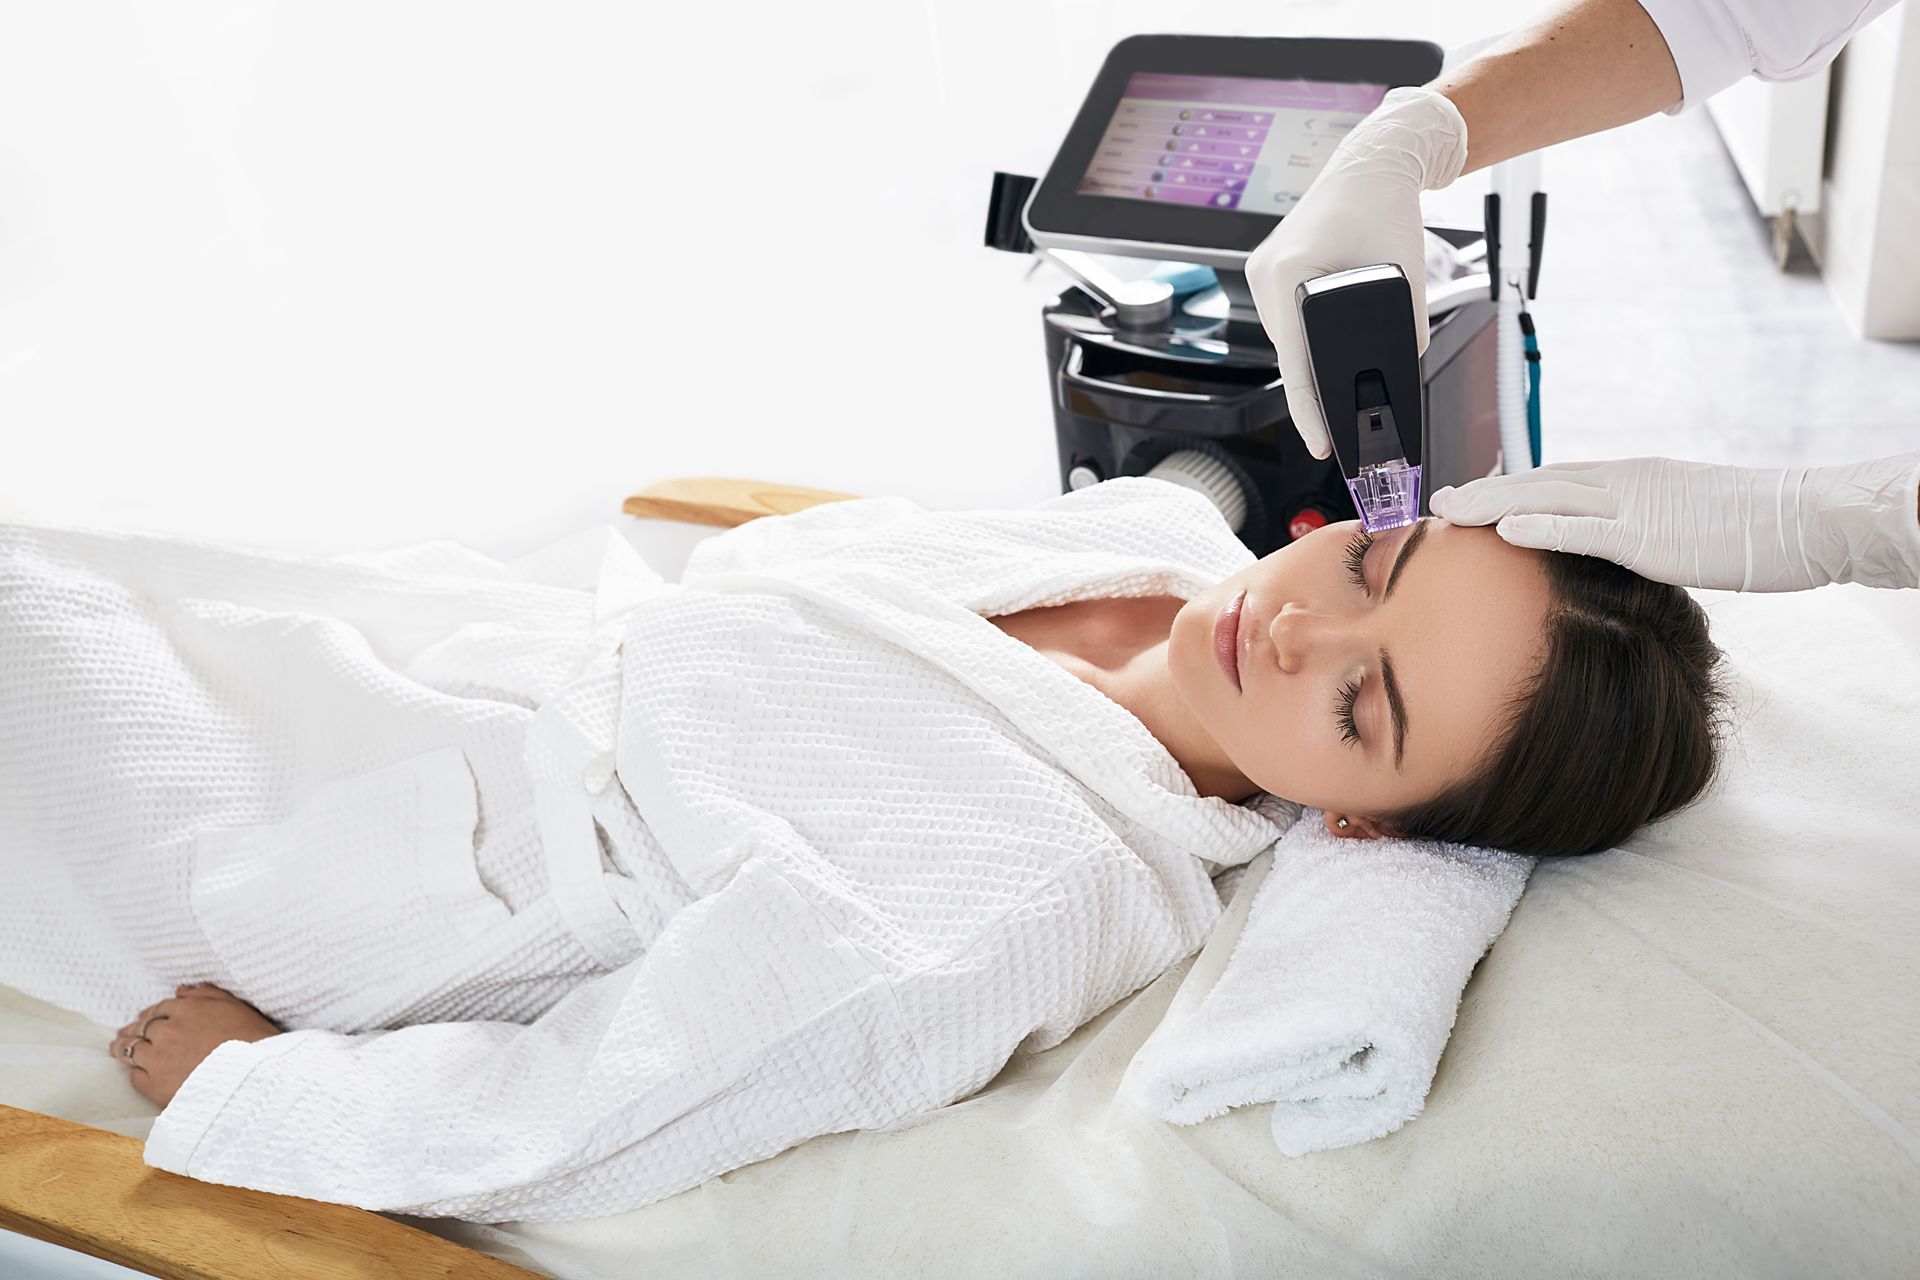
(535, 892)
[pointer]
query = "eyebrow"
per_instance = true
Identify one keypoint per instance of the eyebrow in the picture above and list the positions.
(1406, 554)
(1394, 702)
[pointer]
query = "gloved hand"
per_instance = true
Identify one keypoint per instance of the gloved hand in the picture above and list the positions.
(1699, 525)
(1363, 208)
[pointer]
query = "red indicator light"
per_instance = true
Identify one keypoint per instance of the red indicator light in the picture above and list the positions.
(1304, 522)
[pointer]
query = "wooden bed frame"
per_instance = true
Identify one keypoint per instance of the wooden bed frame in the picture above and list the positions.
(90, 1190)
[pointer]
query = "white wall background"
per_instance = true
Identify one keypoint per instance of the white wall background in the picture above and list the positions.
(345, 276)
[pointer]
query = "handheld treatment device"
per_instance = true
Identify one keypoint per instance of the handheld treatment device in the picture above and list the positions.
(1366, 369)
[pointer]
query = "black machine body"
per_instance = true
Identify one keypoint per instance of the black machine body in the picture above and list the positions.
(1126, 402)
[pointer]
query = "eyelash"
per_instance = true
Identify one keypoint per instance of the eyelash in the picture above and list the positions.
(1343, 711)
(1357, 549)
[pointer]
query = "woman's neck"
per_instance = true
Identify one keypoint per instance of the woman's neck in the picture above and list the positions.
(1145, 688)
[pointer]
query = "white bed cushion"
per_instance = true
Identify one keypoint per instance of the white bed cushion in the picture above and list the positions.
(1693, 1055)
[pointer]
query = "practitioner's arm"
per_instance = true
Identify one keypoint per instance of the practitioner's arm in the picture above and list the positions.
(1588, 65)
(1593, 64)
(1584, 68)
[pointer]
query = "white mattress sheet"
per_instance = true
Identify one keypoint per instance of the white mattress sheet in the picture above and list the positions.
(1692, 1055)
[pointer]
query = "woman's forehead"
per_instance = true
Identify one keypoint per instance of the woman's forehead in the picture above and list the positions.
(1477, 606)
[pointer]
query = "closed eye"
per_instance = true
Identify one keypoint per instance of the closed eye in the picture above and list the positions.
(1343, 712)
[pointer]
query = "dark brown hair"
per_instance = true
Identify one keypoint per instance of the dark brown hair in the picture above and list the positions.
(1619, 727)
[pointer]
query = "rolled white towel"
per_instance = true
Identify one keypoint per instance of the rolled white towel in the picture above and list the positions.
(1339, 990)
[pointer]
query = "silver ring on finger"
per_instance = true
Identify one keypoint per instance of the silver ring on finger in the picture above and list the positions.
(127, 1052)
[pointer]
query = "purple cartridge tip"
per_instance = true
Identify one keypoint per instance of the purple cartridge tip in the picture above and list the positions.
(1386, 494)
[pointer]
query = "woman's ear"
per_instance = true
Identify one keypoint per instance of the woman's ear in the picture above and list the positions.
(1356, 828)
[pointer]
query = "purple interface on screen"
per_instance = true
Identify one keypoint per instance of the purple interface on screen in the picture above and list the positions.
(1225, 142)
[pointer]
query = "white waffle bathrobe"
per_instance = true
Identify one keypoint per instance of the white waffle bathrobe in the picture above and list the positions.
(884, 844)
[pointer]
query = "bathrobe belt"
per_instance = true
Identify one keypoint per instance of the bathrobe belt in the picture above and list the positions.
(570, 756)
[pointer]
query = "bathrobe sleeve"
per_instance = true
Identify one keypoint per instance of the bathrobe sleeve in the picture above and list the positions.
(781, 1007)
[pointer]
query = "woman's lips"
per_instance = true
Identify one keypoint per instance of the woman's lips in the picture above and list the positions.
(1226, 638)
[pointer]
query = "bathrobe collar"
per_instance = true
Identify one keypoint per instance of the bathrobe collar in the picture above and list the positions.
(1101, 743)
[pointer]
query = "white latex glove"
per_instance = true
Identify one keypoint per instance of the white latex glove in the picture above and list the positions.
(1695, 524)
(1363, 208)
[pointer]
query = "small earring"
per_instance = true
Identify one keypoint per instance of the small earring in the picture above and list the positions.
(1342, 824)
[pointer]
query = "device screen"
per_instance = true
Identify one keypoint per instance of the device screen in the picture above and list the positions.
(1223, 142)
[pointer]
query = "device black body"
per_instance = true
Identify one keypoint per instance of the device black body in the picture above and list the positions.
(1124, 401)
(1361, 347)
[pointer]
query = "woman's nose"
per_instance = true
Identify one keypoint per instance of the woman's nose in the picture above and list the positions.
(1299, 632)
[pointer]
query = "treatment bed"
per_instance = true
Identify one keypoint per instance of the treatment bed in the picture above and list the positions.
(1697, 1054)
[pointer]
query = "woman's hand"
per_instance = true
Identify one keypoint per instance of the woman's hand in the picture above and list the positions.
(180, 1033)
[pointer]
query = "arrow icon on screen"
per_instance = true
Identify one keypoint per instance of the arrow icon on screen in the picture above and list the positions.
(1246, 151)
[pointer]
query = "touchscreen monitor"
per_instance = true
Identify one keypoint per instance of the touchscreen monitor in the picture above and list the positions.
(1223, 142)
(1193, 148)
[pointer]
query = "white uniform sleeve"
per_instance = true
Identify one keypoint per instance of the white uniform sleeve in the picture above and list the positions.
(1718, 42)
(767, 1013)
(1895, 560)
